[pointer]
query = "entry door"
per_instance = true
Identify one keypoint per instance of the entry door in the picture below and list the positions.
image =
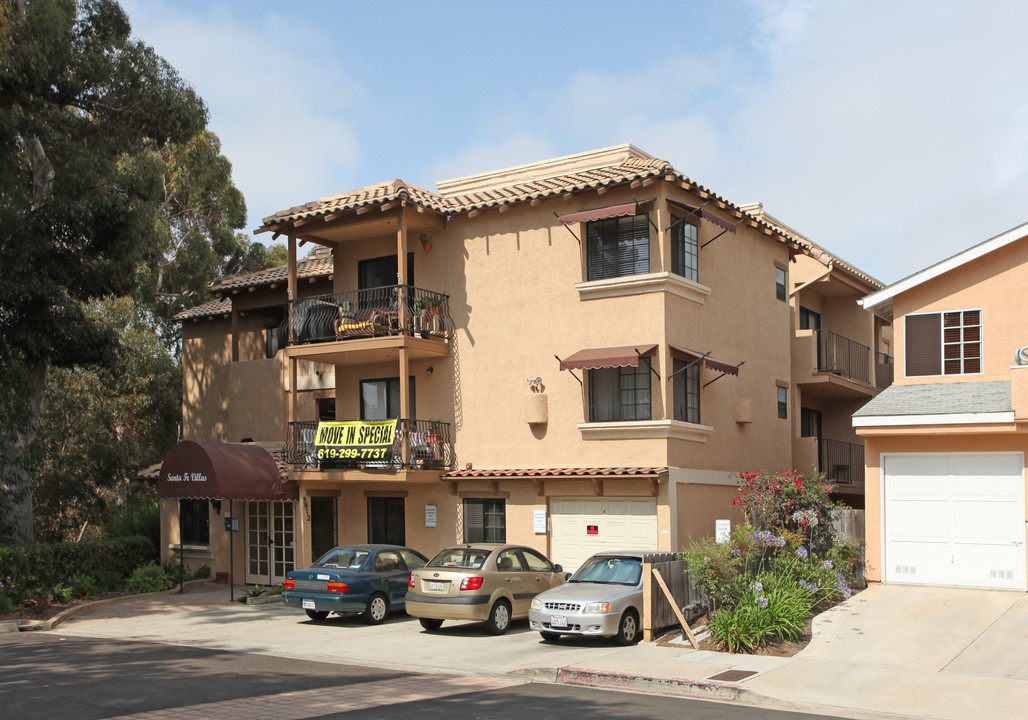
(386, 521)
(323, 526)
(269, 541)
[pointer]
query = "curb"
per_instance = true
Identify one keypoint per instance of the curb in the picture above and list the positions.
(60, 617)
(698, 689)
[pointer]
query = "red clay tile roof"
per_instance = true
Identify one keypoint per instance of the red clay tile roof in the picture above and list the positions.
(310, 267)
(211, 308)
(222, 287)
(604, 472)
(627, 171)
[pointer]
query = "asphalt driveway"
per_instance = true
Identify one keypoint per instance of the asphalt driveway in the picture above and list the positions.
(890, 650)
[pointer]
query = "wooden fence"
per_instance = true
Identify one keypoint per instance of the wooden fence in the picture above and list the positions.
(850, 526)
(657, 611)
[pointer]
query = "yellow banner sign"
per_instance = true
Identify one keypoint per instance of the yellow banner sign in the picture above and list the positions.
(355, 440)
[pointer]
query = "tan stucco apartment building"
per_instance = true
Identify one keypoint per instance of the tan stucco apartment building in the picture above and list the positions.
(946, 444)
(573, 354)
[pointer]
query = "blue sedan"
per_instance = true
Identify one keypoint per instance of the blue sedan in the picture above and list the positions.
(366, 579)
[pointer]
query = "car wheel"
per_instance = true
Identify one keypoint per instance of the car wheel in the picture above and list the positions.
(628, 629)
(551, 636)
(377, 609)
(499, 618)
(430, 623)
(317, 615)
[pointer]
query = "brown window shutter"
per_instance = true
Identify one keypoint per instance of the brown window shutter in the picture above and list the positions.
(923, 344)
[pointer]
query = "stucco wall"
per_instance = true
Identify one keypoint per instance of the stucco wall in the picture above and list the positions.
(995, 284)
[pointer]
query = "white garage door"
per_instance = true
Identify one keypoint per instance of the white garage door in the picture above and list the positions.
(955, 519)
(583, 526)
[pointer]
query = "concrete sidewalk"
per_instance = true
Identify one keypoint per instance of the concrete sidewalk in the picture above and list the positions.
(890, 651)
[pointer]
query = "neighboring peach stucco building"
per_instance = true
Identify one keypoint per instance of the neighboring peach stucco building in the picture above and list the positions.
(946, 444)
(593, 347)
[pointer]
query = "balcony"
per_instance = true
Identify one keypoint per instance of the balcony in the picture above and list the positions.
(367, 325)
(417, 445)
(842, 462)
(883, 370)
(833, 366)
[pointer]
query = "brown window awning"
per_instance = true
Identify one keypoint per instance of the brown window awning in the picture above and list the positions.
(706, 214)
(708, 361)
(626, 356)
(221, 471)
(603, 213)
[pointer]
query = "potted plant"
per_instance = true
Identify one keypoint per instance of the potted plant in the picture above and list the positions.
(426, 241)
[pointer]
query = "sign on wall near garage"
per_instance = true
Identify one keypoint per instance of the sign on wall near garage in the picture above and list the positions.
(360, 440)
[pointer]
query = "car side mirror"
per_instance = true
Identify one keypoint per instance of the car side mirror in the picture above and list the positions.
(567, 576)
(558, 568)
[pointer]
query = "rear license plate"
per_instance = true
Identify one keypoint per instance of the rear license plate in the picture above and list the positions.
(308, 605)
(436, 586)
(558, 621)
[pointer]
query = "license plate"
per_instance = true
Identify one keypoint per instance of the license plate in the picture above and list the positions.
(308, 605)
(436, 586)
(558, 621)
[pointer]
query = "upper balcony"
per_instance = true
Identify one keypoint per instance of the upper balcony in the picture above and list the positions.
(363, 326)
(417, 445)
(833, 365)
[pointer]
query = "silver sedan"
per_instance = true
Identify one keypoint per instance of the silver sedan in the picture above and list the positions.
(604, 598)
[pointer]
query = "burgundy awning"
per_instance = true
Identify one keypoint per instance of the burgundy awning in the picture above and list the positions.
(706, 214)
(593, 358)
(603, 213)
(221, 471)
(708, 361)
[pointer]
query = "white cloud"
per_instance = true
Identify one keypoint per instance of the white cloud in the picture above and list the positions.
(277, 97)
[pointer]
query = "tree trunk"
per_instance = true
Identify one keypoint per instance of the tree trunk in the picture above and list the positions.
(16, 514)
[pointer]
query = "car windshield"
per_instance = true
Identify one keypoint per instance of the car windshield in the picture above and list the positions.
(612, 570)
(460, 558)
(343, 558)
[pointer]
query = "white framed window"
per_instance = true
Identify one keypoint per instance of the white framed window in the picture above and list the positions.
(943, 343)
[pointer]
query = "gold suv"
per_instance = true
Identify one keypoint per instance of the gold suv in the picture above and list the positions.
(483, 582)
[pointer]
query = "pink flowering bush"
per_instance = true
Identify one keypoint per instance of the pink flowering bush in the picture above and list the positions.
(774, 571)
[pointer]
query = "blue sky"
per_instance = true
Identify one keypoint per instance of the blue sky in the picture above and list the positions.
(892, 133)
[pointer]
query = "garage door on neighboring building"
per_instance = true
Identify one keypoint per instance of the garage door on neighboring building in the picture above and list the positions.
(954, 519)
(583, 526)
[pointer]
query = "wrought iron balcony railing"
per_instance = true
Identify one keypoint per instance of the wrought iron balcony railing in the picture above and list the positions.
(842, 462)
(390, 310)
(884, 367)
(842, 356)
(417, 445)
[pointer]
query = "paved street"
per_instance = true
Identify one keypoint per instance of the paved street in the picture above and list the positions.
(890, 651)
(46, 675)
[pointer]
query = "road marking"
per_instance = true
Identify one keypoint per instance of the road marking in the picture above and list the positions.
(13, 682)
(300, 704)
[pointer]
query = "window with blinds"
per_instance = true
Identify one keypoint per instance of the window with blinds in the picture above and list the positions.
(947, 343)
(687, 391)
(685, 258)
(620, 394)
(485, 520)
(617, 247)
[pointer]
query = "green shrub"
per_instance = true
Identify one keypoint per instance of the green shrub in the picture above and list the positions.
(148, 578)
(45, 565)
(82, 587)
(202, 573)
(62, 594)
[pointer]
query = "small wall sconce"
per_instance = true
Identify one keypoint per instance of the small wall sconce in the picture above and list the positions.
(430, 371)
(216, 504)
(536, 385)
